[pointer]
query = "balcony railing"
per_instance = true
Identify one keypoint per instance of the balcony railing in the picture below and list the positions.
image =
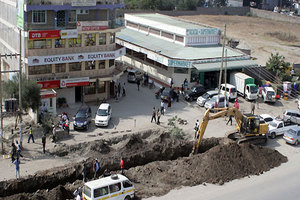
(71, 50)
(69, 2)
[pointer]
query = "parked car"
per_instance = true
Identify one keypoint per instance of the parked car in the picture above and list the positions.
(194, 92)
(231, 92)
(83, 118)
(206, 97)
(268, 94)
(278, 127)
(292, 115)
(267, 118)
(103, 115)
(292, 136)
(168, 92)
(220, 102)
(133, 76)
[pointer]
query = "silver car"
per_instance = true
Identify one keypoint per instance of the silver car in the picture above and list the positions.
(220, 102)
(292, 115)
(206, 97)
(292, 136)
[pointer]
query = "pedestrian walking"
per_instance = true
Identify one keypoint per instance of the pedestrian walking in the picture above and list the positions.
(54, 134)
(124, 91)
(252, 107)
(96, 168)
(18, 150)
(17, 163)
(119, 89)
(44, 142)
(169, 102)
(229, 120)
(177, 96)
(138, 82)
(30, 134)
(153, 115)
(122, 166)
(172, 82)
(84, 172)
(196, 128)
(186, 84)
(182, 88)
(162, 107)
(13, 152)
(236, 104)
(158, 116)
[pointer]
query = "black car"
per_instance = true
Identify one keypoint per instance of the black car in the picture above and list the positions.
(168, 92)
(82, 118)
(194, 92)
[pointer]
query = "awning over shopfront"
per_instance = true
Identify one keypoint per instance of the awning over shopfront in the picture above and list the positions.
(208, 67)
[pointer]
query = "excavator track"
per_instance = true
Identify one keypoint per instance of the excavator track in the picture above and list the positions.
(240, 139)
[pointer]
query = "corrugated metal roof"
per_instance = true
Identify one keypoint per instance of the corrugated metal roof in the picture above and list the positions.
(206, 67)
(172, 50)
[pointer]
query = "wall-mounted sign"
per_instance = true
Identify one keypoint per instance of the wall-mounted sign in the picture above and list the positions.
(78, 57)
(44, 34)
(71, 82)
(203, 31)
(51, 84)
(179, 63)
(92, 25)
(72, 33)
(84, 3)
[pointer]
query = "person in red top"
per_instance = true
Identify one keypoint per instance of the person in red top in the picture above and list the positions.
(122, 166)
(236, 104)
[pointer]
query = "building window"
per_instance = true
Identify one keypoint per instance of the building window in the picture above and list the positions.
(90, 89)
(82, 12)
(179, 70)
(74, 67)
(101, 64)
(155, 31)
(43, 69)
(101, 87)
(72, 16)
(90, 65)
(167, 35)
(144, 28)
(60, 68)
(40, 44)
(111, 62)
(60, 43)
(75, 42)
(39, 17)
(131, 24)
(90, 39)
(112, 38)
(102, 39)
(178, 38)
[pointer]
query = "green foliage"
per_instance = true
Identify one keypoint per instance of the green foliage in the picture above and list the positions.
(31, 97)
(174, 130)
(48, 121)
(164, 4)
(277, 65)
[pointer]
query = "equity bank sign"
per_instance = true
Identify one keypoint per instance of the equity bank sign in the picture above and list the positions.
(70, 58)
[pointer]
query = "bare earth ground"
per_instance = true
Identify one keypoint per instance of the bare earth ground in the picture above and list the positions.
(252, 31)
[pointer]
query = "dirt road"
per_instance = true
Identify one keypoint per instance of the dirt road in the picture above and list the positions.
(255, 32)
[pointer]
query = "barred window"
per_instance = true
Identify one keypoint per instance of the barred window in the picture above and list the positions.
(72, 16)
(101, 87)
(43, 69)
(75, 42)
(102, 39)
(39, 16)
(101, 64)
(90, 89)
(59, 68)
(74, 67)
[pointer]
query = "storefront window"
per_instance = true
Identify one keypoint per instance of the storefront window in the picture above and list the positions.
(111, 63)
(102, 39)
(195, 76)
(40, 44)
(90, 89)
(75, 42)
(43, 69)
(179, 70)
(90, 39)
(74, 67)
(59, 68)
(90, 65)
(101, 87)
(101, 64)
(112, 38)
(60, 43)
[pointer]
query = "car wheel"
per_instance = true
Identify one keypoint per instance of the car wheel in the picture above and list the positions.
(296, 143)
(127, 198)
(273, 135)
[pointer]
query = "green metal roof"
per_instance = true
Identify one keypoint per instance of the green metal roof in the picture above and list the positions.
(206, 67)
(168, 20)
(172, 50)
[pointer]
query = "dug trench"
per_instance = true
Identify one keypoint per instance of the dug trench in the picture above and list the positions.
(156, 162)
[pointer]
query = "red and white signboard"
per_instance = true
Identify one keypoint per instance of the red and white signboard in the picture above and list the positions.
(34, 35)
(71, 82)
(52, 84)
(92, 25)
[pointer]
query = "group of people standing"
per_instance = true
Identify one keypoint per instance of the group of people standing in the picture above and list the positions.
(118, 91)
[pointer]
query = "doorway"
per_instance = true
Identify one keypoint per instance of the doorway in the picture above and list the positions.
(211, 79)
(78, 94)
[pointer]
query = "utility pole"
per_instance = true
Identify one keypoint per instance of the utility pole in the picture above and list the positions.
(1, 116)
(226, 77)
(221, 69)
(20, 87)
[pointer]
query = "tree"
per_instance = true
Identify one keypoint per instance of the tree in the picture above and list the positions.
(277, 65)
(31, 96)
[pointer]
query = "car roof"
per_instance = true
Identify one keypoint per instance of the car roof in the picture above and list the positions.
(290, 110)
(265, 116)
(104, 106)
(221, 95)
(269, 89)
(83, 109)
(295, 128)
(212, 92)
(228, 85)
(105, 181)
(131, 70)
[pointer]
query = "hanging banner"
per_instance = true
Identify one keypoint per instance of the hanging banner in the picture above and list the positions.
(72, 33)
(92, 25)
(71, 82)
(20, 13)
(51, 84)
(44, 34)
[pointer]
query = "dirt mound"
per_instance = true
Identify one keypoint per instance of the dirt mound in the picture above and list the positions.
(220, 164)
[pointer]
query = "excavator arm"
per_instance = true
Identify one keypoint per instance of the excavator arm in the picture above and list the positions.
(222, 112)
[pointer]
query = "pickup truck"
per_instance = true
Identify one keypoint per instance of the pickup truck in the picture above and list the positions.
(278, 127)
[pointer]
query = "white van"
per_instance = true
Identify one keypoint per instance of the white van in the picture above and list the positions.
(268, 94)
(114, 187)
(103, 115)
(231, 92)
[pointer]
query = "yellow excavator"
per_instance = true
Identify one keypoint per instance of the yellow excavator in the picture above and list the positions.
(250, 128)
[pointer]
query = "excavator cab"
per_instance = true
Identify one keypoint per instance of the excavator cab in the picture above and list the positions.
(250, 124)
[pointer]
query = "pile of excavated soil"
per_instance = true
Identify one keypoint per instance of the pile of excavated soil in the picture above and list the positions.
(220, 164)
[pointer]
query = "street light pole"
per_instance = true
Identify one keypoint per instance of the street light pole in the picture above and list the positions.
(1, 114)
(20, 86)
(221, 69)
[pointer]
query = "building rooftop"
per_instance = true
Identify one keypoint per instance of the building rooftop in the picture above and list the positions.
(172, 50)
(169, 20)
